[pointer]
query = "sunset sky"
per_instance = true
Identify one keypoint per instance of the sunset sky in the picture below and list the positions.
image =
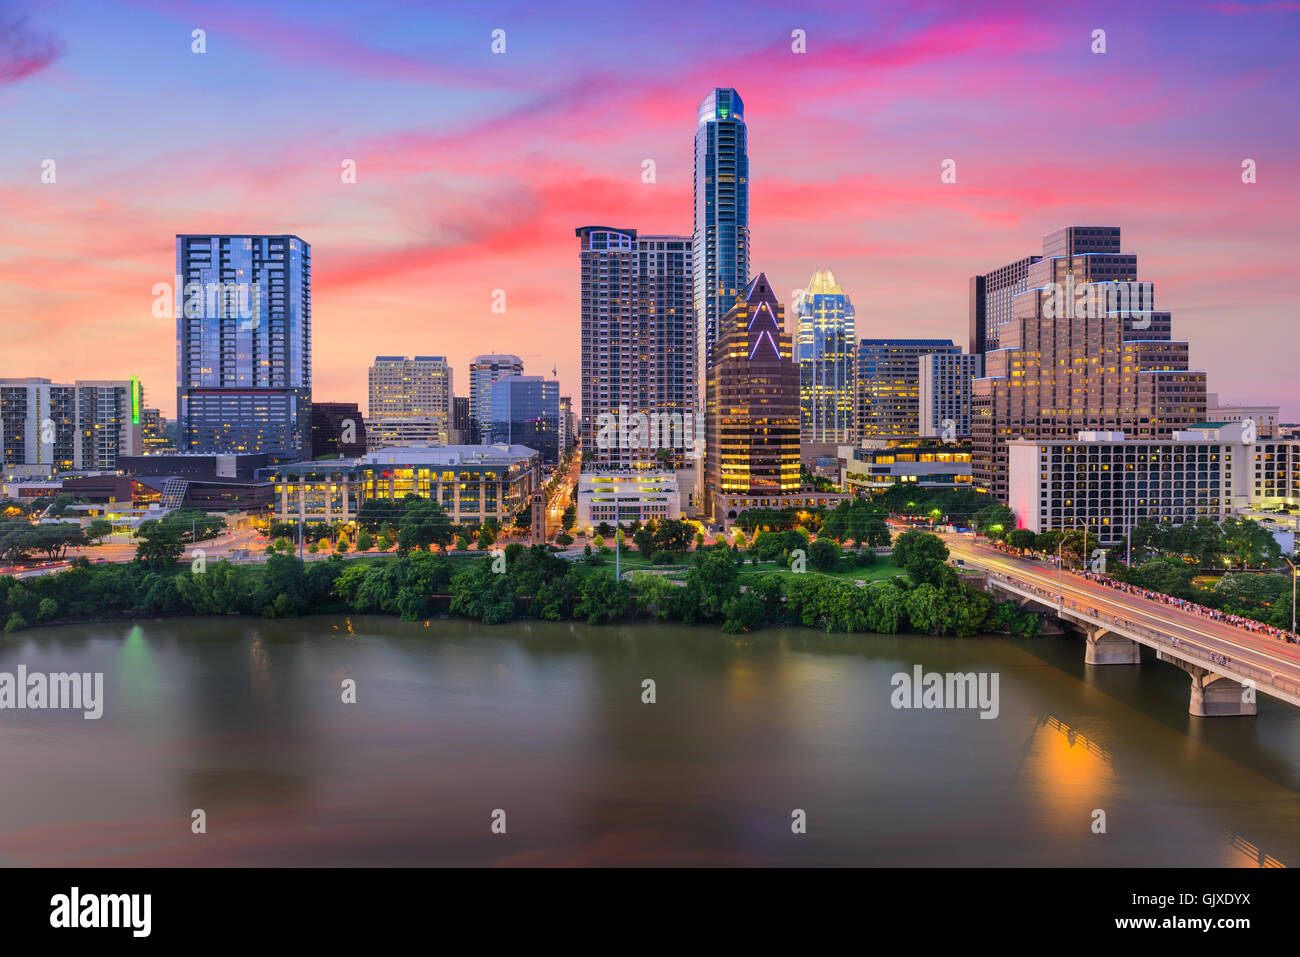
(473, 169)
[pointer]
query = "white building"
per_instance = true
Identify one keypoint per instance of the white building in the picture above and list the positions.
(1104, 482)
(1264, 416)
(626, 497)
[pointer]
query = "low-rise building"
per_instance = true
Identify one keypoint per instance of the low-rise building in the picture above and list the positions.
(1106, 482)
(876, 466)
(471, 482)
(627, 496)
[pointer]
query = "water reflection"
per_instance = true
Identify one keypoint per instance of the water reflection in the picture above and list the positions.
(546, 720)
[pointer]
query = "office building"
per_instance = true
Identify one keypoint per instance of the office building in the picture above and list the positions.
(880, 464)
(638, 343)
(463, 431)
(243, 323)
(889, 384)
(471, 482)
(626, 497)
(1105, 482)
(48, 427)
(752, 437)
(1098, 358)
(483, 371)
(944, 398)
(410, 401)
(824, 349)
(337, 429)
(526, 411)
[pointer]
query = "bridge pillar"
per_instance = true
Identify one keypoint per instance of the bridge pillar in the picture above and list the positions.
(1106, 648)
(1213, 695)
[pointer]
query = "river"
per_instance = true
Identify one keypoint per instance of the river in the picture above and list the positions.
(454, 721)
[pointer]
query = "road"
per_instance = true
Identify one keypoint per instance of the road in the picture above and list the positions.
(565, 490)
(1262, 651)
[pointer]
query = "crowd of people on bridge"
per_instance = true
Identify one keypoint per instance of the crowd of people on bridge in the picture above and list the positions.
(1214, 614)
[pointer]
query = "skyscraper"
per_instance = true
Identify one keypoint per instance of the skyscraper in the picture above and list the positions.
(638, 341)
(720, 242)
(48, 427)
(483, 371)
(460, 422)
(752, 440)
(889, 385)
(243, 357)
(1062, 367)
(824, 349)
(526, 411)
(410, 401)
(945, 393)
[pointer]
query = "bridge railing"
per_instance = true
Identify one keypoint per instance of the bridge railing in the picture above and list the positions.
(1179, 647)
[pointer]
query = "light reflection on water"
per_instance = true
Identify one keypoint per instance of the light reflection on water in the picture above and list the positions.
(453, 720)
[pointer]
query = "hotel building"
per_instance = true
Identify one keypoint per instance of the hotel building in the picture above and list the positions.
(1105, 482)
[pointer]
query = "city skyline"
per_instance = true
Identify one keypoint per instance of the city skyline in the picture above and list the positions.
(420, 274)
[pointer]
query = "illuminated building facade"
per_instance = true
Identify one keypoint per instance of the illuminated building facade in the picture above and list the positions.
(752, 424)
(1064, 368)
(471, 482)
(824, 345)
(243, 357)
(411, 401)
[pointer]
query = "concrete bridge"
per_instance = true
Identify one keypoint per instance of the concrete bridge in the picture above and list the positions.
(1228, 665)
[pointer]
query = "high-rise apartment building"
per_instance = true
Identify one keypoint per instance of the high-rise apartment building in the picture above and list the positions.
(526, 411)
(483, 371)
(567, 434)
(889, 384)
(243, 331)
(945, 393)
(752, 437)
(824, 349)
(638, 345)
(1084, 350)
(410, 401)
(720, 239)
(48, 427)
(153, 433)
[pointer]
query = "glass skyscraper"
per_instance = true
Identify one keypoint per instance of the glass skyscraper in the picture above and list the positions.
(243, 344)
(824, 351)
(526, 411)
(720, 242)
(483, 371)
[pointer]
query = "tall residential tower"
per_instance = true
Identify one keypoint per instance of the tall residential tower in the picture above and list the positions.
(638, 344)
(243, 344)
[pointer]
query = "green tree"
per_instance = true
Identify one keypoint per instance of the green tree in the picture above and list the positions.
(159, 544)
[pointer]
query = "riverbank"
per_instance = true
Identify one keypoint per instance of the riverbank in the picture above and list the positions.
(716, 588)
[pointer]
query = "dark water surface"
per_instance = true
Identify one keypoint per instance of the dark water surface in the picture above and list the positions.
(454, 720)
